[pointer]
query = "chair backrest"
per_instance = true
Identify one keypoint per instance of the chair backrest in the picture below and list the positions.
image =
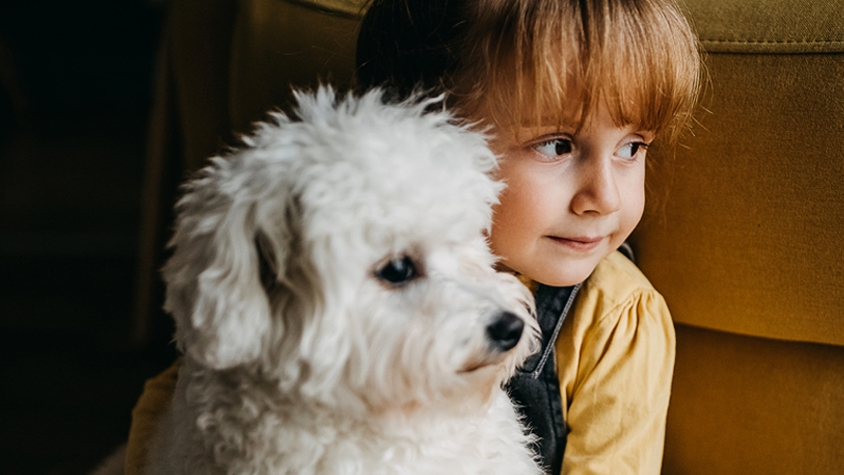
(744, 239)
(232, 60)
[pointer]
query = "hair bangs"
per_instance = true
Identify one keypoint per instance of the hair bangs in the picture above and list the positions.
(556, 63)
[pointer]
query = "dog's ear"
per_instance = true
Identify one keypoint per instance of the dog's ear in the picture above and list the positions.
(217, 277)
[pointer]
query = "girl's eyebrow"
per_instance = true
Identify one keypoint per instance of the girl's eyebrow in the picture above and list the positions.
(551, 127)
(536, 131)
(547, 120)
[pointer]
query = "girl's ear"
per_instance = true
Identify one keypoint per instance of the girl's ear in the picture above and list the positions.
(214, 279)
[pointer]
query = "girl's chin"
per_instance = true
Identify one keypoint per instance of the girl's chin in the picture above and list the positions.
(566, 274)
(553, 271)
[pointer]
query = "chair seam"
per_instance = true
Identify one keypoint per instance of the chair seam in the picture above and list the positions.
(774, 42)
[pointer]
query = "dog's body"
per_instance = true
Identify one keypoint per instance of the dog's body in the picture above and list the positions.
(336, 303)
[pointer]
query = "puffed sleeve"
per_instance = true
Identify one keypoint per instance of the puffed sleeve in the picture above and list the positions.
(616, 373)
(146, 417)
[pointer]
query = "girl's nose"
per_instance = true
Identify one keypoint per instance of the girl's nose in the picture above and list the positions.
(597, 191)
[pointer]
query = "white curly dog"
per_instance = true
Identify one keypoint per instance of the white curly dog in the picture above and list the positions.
(336, 303)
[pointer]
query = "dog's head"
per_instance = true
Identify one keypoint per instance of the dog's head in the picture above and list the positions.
(343, 253)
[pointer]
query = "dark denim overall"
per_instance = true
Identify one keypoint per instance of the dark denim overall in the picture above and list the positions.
(535, 389)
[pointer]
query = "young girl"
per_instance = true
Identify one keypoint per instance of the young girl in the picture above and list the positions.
(572, 93)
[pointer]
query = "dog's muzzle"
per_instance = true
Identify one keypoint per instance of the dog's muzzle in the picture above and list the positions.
(505, 331)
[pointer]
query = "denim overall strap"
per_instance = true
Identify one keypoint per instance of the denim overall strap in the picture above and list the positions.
(535, 389)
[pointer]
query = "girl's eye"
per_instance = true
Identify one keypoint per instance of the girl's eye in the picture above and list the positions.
(632, 149)
(554, 147)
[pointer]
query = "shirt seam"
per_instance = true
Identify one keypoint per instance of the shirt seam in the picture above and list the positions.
(635, 294)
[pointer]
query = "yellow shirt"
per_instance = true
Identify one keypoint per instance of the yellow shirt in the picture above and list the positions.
(146, 416)
(615, 361)
(615, 358)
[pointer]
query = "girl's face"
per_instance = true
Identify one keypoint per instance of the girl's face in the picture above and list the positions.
(572, 197)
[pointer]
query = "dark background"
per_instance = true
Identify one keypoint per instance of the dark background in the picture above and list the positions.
(75, 96)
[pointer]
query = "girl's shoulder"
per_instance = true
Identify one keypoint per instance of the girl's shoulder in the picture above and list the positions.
(617, 289)
(619, 320)
(617, 275)
(615, 360)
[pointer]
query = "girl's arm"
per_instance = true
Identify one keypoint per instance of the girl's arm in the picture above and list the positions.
(616, 364)
(147, 415)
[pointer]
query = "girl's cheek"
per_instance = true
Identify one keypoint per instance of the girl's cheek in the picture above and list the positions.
(510, 219)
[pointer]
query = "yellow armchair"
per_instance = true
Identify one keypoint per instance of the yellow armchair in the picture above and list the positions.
(744, 239)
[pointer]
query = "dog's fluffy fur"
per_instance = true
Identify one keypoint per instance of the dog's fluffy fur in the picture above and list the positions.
(336, 303)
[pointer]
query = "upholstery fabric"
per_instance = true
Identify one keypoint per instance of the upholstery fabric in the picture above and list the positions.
(750, 217)
(753, 406)
(768, 26)
(272, 50)
(743, 237)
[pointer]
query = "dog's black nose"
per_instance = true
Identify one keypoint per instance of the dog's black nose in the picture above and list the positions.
(505, 331)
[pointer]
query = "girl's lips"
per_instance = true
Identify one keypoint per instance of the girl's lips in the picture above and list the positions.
(578, 243)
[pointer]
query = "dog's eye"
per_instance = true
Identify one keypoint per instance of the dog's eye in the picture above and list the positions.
(398, 271)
